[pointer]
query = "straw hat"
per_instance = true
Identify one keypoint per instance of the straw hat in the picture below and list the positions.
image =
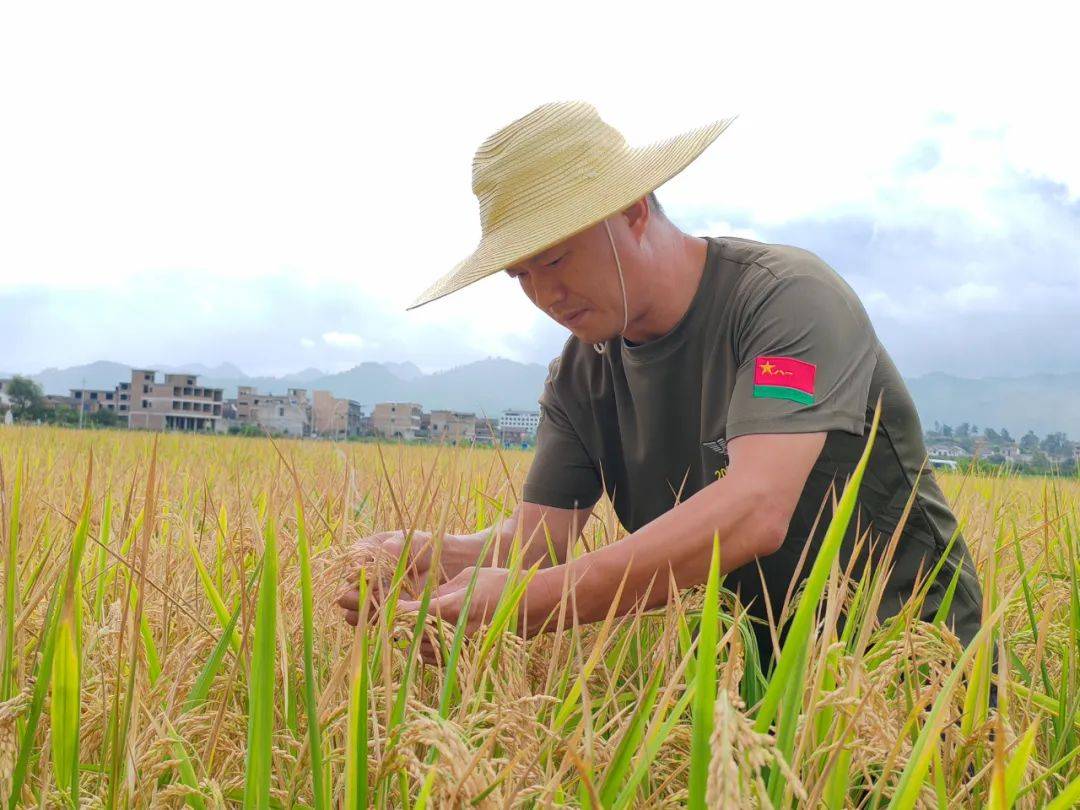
(554, 173)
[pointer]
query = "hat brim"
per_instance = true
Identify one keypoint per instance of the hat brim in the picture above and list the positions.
(639, 171)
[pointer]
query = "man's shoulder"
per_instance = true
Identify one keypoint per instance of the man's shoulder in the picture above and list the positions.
(765, 260)
(769, 269)
(572, 366)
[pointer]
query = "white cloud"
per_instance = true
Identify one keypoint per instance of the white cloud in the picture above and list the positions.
(276, 153)
(972, 296)
(722, 227)
(307, 343)
(343, 340)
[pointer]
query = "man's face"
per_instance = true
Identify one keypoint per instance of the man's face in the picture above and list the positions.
(577, 284)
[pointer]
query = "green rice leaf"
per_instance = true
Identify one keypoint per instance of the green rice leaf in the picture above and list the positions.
(705, 691)
(790, 668)
(321, 800)
(261, 685)
(356, 762)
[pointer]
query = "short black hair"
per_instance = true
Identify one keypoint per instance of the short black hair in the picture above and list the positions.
(654, 204)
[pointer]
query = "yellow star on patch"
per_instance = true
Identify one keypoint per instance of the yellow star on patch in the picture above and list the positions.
(768, 368)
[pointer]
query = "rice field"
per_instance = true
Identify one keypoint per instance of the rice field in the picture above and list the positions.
(170, 640)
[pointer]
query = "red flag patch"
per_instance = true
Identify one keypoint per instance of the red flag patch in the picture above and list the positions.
(784, 378)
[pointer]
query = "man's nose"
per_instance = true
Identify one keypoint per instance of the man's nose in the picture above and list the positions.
(547, 290)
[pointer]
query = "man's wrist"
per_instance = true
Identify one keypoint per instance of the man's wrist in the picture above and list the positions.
(541, 600)
(469, 550)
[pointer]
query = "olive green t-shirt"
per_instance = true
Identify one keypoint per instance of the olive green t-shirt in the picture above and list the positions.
(774, 341)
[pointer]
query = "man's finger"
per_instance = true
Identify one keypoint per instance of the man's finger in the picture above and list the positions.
(440, 606)
(429, 651)
(348, 599)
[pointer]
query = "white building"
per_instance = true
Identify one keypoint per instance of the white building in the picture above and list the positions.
(524, 421)
(947, 451)
(943, 463)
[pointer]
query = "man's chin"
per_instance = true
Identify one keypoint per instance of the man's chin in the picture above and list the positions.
(593, 335)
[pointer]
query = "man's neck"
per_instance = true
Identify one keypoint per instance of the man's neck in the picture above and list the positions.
(669, 284)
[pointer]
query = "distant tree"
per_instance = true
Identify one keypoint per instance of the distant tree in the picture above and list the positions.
(1005, 437)
(946, 431)
(1040, 463)
(63, 415)
(1055, 445)
(991, 435)
(1029, 442)
(27, 399)
(245, 429)
(963, 431)
(104, 418)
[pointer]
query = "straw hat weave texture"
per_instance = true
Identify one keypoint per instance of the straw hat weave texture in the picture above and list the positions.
(553, 173)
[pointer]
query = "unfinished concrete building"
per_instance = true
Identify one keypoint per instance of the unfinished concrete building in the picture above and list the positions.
(335, 418)
(92, 400)
(178, 403)
(396, 420)
(452, 427)
(288, 414)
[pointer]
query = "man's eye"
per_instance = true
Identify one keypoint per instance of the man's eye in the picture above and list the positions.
(554, 262)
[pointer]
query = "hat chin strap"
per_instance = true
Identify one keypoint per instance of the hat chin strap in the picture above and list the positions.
(599, 347)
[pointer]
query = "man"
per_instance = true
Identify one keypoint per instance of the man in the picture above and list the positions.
(716, 385)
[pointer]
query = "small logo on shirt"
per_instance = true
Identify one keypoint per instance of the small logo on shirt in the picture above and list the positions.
(719, 447)
(784, 378)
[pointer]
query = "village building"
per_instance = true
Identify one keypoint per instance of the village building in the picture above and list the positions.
(523, 421)
(177, 403)
(396, 420)
(92, 400)
(947, 451)
(452, 427)
(287, 414)
(335, 418)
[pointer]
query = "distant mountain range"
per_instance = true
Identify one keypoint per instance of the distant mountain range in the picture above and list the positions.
(1043, 402)
(487, 386)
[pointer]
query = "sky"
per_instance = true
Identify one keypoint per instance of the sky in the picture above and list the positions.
(271, 185)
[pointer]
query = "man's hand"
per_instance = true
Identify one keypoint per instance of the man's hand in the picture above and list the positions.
(380, 553)
(448, 601)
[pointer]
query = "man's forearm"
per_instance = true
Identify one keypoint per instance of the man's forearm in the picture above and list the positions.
(534, 540)
(491, 546)
(677, 544)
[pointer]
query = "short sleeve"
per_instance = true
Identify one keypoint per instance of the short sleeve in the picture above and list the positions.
(806, 352)
(562, 474)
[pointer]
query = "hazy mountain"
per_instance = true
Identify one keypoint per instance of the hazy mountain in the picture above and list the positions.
(404, 371)
(298, 378)
(102, 374)
(224, 371)
(1042, 403)
(367, 383)
(487, 387)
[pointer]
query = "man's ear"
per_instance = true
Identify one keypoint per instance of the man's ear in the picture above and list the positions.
(637, 217)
